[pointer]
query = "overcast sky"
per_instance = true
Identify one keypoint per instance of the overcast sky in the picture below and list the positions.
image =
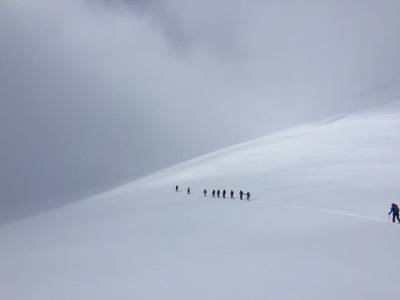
(97, 92)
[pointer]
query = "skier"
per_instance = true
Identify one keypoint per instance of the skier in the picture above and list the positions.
(248, 196)
(176, 188)
(205, 193)
(232, 192)
(395, 211)
(218, 193)
(213, 193)
(188, 190)
(223, 194)
(241, 195)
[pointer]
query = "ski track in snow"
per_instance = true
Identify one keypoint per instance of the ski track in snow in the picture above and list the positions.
(305, 207)
(324, 210)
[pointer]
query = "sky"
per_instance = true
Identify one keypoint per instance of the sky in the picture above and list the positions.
(94, 93)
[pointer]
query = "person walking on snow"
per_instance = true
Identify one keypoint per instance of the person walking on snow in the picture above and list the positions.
(213, 193)
(232, 194)
(394, 211)
(205, 193)
(241, 195)
(223, 194)
(248, 196)
(218, 193)
(176, 188)
(188, 191)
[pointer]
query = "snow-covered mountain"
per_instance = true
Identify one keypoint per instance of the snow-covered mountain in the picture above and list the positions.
(316, 227)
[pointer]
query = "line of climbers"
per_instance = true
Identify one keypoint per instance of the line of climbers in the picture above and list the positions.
(219, 193)
(394, 209)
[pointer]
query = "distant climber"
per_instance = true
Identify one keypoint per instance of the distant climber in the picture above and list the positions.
(232, 193)
(241, 195)
(205, 193)
(188, 191)
(213, 193)
(224, 194)
(218, 193)
(248, 196)
(394, 211)
(176, 188)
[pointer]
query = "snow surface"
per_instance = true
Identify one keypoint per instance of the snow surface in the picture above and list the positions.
(317, 227)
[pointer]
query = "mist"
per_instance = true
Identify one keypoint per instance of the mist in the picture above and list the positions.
(97, 93)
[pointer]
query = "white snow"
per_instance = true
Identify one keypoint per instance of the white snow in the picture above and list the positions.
(317, 227)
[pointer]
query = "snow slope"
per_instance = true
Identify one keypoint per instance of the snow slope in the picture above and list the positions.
(316, 229)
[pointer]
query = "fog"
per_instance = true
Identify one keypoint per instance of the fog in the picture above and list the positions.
(95, 93)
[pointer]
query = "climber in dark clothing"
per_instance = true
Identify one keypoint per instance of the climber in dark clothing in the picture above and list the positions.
(213, 193)
(176, 188)
(241, 195)
(248, 196)
(232, 193)
(394, 211)
(188, 191)
(218, 193)
(205, 193)
(223, 194)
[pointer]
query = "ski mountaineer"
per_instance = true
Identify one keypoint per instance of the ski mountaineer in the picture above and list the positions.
(188, 191)
(213, 193)
(205, 193)
(176, 188)
(232, 193)
(394, 210)
(248, 196)
(223, 194)
(218, 193)
(241, 195)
